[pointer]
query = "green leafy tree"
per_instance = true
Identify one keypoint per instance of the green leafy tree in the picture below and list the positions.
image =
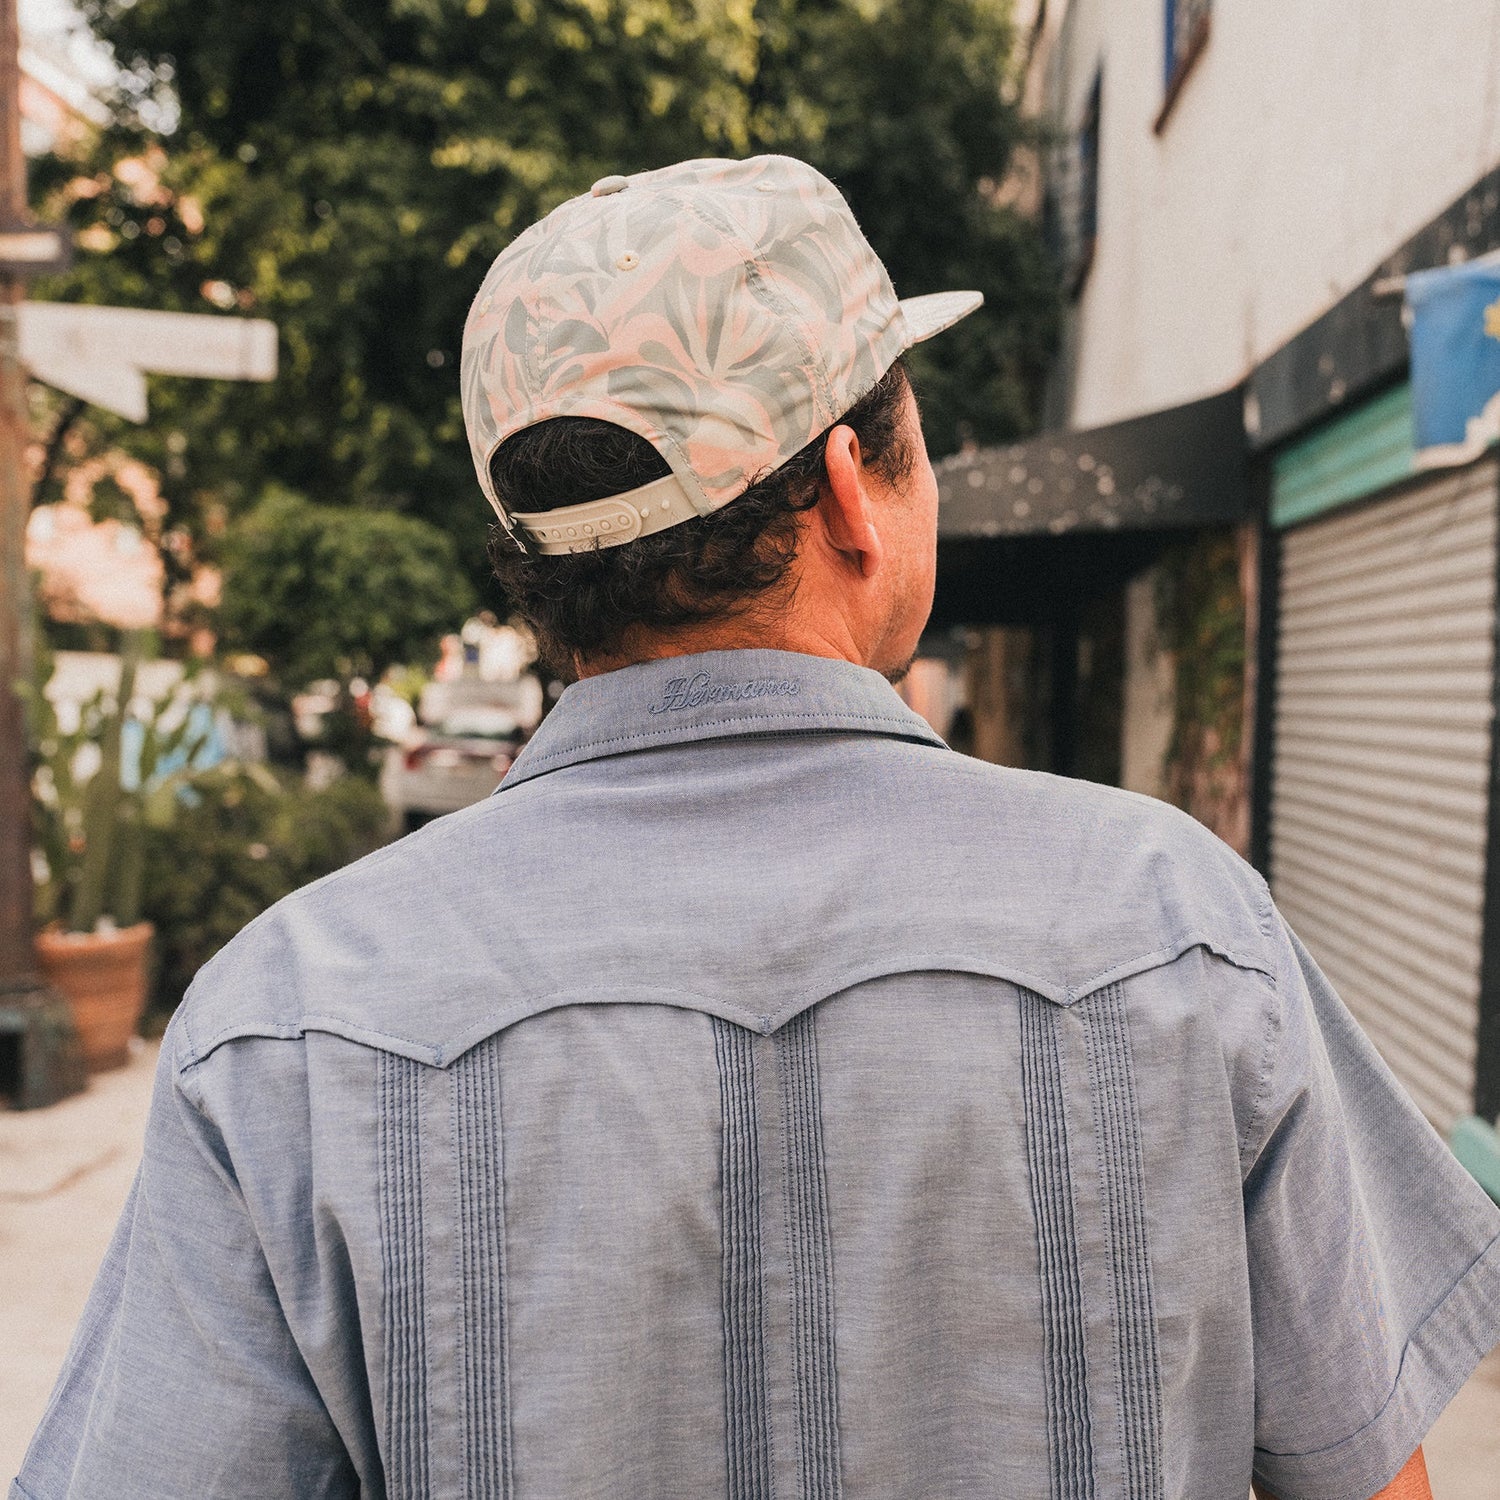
(905, 105)
(328, 592)
(238, 839)
(349, 168)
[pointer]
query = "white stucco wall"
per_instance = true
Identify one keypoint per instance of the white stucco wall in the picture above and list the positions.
(1311, 138)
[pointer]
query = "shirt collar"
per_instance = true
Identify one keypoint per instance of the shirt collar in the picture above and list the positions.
(714, 695)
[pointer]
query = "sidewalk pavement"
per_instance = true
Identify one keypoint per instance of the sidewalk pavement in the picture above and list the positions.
(64, 1174)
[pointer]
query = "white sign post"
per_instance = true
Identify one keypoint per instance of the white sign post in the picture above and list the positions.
(34, 250)
(103, 354)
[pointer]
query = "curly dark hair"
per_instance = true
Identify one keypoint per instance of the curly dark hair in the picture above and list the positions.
(723, 565)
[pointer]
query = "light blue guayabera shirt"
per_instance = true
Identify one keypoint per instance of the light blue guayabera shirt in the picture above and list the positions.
(755, 1098)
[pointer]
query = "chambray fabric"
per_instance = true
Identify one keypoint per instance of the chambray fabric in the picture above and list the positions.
(755, 1098)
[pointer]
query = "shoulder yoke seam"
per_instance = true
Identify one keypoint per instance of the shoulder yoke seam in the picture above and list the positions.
(765, 1022)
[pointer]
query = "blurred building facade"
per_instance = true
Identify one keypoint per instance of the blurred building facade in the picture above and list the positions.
(60, 69)
(1235, 195)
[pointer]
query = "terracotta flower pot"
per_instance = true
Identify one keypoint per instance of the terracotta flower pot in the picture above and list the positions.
(102, 976)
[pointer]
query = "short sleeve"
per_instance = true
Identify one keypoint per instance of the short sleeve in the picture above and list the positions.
(1373, 1257)
(183, 1378)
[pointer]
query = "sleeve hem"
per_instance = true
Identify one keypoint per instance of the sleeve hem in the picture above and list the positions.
(1439, 1357)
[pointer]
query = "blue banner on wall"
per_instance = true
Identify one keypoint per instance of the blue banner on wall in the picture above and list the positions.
(1455, 360)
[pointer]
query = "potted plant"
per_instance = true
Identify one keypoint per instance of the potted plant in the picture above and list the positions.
(92, 802)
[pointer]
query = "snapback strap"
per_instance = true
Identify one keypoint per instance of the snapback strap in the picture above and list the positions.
(609, 522)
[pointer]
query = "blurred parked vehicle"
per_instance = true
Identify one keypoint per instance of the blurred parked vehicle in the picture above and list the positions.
(471, 720)
(520, 696)
(311, 708)
(454, 761)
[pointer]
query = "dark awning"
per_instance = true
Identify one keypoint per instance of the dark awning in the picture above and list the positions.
(1184, 466)
(1035, 530)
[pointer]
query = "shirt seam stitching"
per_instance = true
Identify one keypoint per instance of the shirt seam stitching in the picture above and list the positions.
(292, 1030)
(753, 260)
(187, 1033)
(1270, 1049)
(1396, 1386)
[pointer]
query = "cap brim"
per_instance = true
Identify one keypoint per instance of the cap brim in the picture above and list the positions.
(936, 311)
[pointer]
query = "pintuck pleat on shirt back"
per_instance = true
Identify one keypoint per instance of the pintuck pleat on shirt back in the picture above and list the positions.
(810, 1250)
(1117, 1130)
(798, 1254)
(1069, 1427)
(403, 1261)
(746, 1413)
(479, 1217)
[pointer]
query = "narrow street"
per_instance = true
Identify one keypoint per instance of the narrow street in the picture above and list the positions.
(65, 1171)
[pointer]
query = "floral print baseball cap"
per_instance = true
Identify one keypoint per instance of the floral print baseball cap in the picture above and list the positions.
(726, 311)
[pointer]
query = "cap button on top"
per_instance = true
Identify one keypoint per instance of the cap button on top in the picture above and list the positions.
(607, 185)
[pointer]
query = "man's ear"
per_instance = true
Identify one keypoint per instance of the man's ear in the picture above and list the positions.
(845, 506)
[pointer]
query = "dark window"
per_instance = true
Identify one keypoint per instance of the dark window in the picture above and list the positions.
(1071, 206)
(1185, 33)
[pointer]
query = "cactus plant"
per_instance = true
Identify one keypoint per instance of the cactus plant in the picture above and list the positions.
(90, 823)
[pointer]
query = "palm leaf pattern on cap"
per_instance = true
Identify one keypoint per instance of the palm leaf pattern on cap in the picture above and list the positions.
(726, 311)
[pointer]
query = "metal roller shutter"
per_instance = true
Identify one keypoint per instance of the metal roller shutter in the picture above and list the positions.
(1384, 715)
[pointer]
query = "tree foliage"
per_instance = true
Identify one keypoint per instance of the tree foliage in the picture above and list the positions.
(239, 839)
(331, 592)
(349, 168)
(1200, 614)
(903, 103)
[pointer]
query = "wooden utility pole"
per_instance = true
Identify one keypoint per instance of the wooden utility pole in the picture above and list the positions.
(100, 354)
(15, 792)
(37, 1057)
